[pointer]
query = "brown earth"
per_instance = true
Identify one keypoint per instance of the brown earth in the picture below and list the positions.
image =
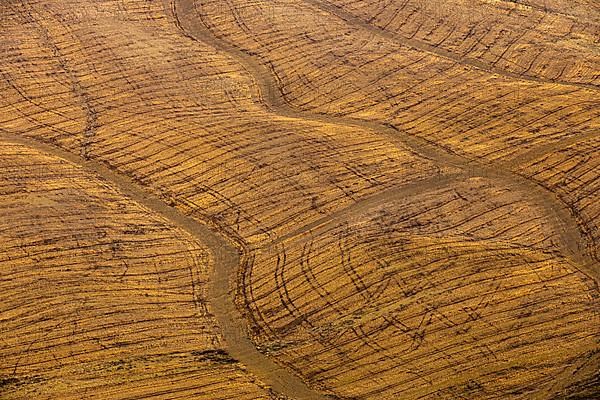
(299, 198)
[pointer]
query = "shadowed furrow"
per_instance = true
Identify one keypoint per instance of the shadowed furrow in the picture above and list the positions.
(398, 210)
(540, 40)
(572, 172)
(326, 65)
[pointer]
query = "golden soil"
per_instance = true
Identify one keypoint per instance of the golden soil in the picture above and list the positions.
(572, 173)
(140, 85)
(304, 199)
(397, 303)
(328, 64)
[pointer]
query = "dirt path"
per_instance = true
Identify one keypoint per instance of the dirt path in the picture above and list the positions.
(226, 256)
(190, 22)
(226, 262)
(540, 151)
(358, 209)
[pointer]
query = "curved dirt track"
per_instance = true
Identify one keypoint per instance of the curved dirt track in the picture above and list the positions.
(190, 22)
(226, 261)
(355, 210)
(226, 254)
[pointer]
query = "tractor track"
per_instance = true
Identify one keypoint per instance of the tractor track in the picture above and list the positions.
(431, 49)
(226, 260)
(189, 21)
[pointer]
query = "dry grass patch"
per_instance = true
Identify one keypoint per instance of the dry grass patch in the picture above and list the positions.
(181, 118)
(326, 64)
(572, 172)
(553, 40)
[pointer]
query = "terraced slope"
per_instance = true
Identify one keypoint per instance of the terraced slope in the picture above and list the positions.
(100, 297)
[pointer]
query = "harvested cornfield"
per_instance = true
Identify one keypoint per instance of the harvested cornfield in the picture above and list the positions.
(299, 199)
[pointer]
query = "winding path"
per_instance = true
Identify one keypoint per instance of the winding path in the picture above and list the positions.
(226, 256)
(189, 20)
(226, 260)
(440, 52)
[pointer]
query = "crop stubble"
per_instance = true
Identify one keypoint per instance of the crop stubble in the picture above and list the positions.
(370, 270)
(99, 296)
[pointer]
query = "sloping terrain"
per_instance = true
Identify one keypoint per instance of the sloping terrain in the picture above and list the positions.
(350, 70)
(572, 173)
(394, 303)
(301, 199)
(101, 298)
(532, 39)
(162, 108)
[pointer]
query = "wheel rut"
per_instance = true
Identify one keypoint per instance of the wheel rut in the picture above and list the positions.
(431, 49)
(189, 20)
(540, 151)
(359, 208)
(226, 259)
